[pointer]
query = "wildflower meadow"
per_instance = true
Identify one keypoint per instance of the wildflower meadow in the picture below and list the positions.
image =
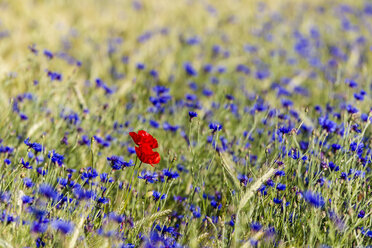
(185, 123)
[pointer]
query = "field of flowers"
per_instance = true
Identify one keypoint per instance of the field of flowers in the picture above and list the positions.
(185, 123)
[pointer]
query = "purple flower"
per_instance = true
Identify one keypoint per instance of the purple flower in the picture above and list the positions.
(48, 191)
(314, 199)
(280, 187)
(28, 182)
(63, 226)
(190, 69)
(256, 226)
(156, 195)
(54, 76)
(116, 162)
(56, 158)
(192, 115)
(26, 164)
(39, 227)
(215, 127)
(48, 54)
(361, 214)
(35, 146)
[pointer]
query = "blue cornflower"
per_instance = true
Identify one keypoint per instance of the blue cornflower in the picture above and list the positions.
(154, 124)
(128, 164)
(262, 189)
(270, 183)
(280, 173)
(56, 158)
(361, 214)
(148, 177)
(327, 124)
(352, 83)
(195, 211)
(351, 109)
(131, 149)
(167, 126)
(286, 103)
(215, 204)
(62, 181)
(229, 97)
(294, 153)
(364, 117)
(156, 195)
(27, 199)
(26, 164)
(336, 146)
(41, 171)
(54, 76)
(28, 182)
(314, 199)
(23, 116)
(160, 89)
(243, 68)
(129, 245)
(40, 242)
(232, 221)
(195, 40)
(84, 140)
(39, 227)
(37, 213)
(35, 146)
(170, 174)
(116, 217)
(89, 174)
(181, 168)
(358, 148)
(190, 69)
(207, 68)
(64, 227)
(48, 54)
(103, 85)
(333, 167)
(192, 115)
(72, 118)
(154, 74)
(243, 179)
(48, 191)
(6, 149)
(140, 66)
(280, 187)
(103, 177)
(215, 127)
(256, 226)
(358, 97)
(116, 162)
(207, 92)
(81, 194)
(343, 175)
(102, 200)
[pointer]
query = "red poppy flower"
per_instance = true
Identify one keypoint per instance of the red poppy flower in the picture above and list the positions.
(143, 138)
(147, 155)
(145, 144)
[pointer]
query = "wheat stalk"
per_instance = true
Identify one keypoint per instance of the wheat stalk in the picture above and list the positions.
(152, 218)
(249, 194)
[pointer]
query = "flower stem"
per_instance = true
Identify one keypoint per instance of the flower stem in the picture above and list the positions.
(129, 188)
